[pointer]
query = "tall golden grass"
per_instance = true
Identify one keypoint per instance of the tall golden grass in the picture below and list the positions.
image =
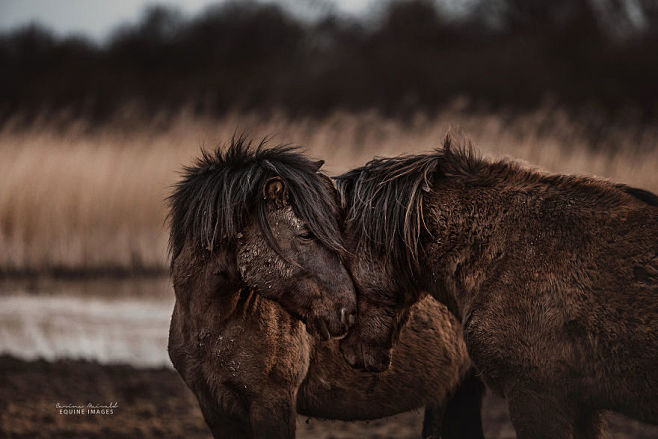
(75, 199)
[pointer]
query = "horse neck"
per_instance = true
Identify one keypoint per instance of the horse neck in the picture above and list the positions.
(467, 232)
(207, 284)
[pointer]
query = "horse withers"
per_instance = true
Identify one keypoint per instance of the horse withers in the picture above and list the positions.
(554, 278)
(236, 337)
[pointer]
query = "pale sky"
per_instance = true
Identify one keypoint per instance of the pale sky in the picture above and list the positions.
(97, 18)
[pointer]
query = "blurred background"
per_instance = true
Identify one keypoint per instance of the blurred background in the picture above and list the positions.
(101, 103)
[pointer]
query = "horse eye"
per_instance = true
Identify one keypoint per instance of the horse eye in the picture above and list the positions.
(306, 235)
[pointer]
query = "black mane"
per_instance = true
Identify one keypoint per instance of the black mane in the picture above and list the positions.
(210, 203)
(383, 204)
(382, 201)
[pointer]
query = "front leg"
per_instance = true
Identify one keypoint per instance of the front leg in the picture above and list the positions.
(535, 415)
(590, 425)
(538, 414)
(462, 418)
(273, 416)
(221, 424)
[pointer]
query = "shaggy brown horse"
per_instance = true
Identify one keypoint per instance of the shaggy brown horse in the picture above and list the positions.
(554, 278)
(251, 364)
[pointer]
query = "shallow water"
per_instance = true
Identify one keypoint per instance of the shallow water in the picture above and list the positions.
(107, 320)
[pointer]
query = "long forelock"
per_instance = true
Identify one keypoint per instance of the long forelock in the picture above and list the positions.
(383, 204)
(215, 195)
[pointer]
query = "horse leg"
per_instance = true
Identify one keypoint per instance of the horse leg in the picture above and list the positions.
(225, 427)
(590, 425)
(273, 417)
(221, 424)
(462, 417)
(432, 422)
(537, 415)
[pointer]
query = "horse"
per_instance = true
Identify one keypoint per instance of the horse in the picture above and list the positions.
(554, 279)
(248, 357)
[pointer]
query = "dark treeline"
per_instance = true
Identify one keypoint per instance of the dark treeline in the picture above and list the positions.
(511, 53)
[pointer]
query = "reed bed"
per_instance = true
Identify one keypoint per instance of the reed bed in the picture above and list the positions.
(77, 200)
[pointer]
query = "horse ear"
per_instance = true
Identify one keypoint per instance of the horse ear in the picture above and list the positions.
(331, 187)
(275, 190)
(317, 165)
(327, 181)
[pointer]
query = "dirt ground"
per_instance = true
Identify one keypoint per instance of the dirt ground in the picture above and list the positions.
(154, 403)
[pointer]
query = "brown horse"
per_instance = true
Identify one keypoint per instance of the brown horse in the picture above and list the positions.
(250, 363)
(554, 278)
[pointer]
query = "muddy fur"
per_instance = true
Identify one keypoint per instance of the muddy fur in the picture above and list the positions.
(253, 367)
(306, 279)
(555, 279)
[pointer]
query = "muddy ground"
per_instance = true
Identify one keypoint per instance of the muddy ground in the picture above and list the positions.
(154, 403)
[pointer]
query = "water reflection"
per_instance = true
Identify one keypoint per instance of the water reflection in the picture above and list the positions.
(107, 320)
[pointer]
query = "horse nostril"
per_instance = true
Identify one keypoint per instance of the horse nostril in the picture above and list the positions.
(347, 318)
(343, 316)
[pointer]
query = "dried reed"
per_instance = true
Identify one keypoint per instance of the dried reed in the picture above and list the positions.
(79, 199)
